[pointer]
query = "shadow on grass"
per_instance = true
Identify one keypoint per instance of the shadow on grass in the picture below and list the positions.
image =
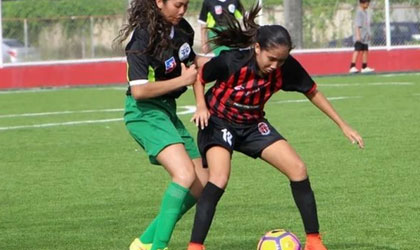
(251, 245)
(367, 246)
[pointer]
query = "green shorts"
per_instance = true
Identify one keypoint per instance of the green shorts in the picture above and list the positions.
(216, 49)
(154, 125)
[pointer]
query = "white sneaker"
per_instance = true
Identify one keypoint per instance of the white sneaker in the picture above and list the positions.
(367, 70)
(353, 70)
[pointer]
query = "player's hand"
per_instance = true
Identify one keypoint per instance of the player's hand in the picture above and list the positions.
(353, 136)
(201, 117)
(188, 74)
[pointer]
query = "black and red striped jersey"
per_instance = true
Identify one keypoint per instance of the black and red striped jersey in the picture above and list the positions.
(240, 93)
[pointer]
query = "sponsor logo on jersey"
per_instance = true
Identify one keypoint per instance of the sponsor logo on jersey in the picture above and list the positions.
(184, 52)
(231, 8)
(170, 65)
(263, 128)
(239, 87)
(218, 9)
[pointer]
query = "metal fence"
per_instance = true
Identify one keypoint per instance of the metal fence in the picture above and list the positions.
(90, 37)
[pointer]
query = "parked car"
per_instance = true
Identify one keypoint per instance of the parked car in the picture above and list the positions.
(402, 33)
(15, 51)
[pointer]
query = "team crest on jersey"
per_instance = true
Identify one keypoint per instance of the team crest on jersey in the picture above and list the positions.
(184, 52)
(170, 65)
(264, 128)
(231, 8)
(218, 9)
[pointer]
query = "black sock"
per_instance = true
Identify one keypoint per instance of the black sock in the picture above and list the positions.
(364, 65)
(305, 201)
(205, 209)
(352, 65)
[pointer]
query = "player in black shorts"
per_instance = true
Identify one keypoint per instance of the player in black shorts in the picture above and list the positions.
(244, 81)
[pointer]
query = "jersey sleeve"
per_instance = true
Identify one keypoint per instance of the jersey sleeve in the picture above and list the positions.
(137, 62)
(215, 69)
(358, 21)
(295, 77)
(202, 18)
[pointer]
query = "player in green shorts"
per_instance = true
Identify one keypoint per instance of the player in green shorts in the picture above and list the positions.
(160, 65)
(212, 15)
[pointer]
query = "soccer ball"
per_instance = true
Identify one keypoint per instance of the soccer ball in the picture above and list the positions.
(279, 239)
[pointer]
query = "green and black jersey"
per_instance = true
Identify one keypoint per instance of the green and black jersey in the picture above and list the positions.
(211, 13)
(143, 68)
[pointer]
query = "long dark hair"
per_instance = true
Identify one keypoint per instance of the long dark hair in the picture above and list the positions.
(145, 14)
(236, 36)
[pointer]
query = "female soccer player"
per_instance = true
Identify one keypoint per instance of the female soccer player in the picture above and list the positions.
(159, 56)
(245, 79)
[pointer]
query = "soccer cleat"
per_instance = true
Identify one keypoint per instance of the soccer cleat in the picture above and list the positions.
(353, 70)
(195, 246)
(367, 70)
(314, 242)
(138, 245)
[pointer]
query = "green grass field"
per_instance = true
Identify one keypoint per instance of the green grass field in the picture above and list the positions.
(72, 178)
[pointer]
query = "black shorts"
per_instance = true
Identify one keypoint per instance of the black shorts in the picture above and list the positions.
(250, 139)
(359, 46)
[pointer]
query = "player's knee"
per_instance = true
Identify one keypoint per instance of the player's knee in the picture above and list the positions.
(185, 177)
(219, 180)
(299, 172)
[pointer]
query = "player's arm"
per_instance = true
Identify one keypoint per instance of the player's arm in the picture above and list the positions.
(358, 34)
(319, 100)
(202, 114)
(202, 20)
(358, 24)
(205, 47)
(143, 89)
(215, 69)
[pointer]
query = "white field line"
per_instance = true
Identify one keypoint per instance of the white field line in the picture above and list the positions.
(189, 109)
(329, 98)
(60, 113)
(5, 92)
(399, 74)
(365, 84)
(45, 125)
(38, 90)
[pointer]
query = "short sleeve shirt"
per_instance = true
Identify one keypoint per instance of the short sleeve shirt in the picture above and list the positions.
(362, 21)
(240, 93)
(143, 68)
(211, 13)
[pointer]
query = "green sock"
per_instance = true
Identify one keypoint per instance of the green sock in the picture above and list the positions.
(149, 233)
(170, 210)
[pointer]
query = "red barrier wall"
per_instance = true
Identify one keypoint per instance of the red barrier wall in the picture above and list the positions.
(56, 75)
(97, 73)
(329, 63)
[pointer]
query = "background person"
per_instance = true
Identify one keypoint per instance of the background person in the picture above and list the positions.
(361, 38)
(212, 15)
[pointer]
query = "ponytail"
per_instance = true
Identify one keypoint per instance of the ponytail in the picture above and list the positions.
(236, 36)
(233, 35)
